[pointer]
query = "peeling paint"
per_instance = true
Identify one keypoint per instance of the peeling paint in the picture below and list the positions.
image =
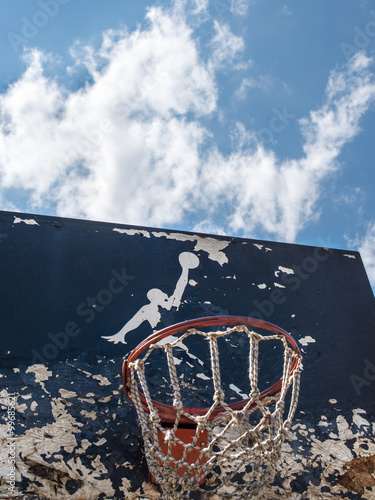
(67, 394)
(102, 380)
(41, 374)
(285, 270)
(212, 246)
(29, 222)
(262, 286)
(350, 256)
(132, 232)
(306, 340)
(278, 285)
(238, 391)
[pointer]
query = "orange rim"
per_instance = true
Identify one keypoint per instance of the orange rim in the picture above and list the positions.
(167, 413)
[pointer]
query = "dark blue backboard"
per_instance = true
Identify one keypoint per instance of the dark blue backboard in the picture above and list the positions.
(78, 296)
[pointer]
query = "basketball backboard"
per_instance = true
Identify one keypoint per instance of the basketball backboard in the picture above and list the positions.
(78, 296)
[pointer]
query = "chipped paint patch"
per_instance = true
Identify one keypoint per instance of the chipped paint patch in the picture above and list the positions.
(29, 222)
(278, 285)
(262, 286)
(285, 270)
(209, 245)
(89, 414)
(203, 376)
(306, 340)
(132, 232)
(333, 401)
(238, 391)
(102, 380)
(40, 371)
(343, 463)
(350, 256)
(67, 394)
(41, 374)
(192, 282)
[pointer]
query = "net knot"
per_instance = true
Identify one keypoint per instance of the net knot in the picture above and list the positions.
(238, 417)
(177, 403)
(154, 417)
(255, 393)
(218, 396)
(280, 405)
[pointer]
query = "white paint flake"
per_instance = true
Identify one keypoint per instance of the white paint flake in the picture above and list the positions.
(102, 380)
(333, 401)
(351, 256)
(67, 394)
(41, 374)
(262, 286)
(132, 232)
(212, 246)
(203, 376)
(285, 270)
(29, 222)
(258, 246)
(360, 421)
(278, 285)
(306, 340)
(192, 282)
(238, 391)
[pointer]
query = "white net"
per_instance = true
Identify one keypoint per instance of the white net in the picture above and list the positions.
(225, 450)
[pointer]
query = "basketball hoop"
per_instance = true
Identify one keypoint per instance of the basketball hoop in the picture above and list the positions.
(217, 449)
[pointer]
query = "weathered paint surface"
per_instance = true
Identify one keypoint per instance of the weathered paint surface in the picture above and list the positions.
(88, 446)
(67, 284)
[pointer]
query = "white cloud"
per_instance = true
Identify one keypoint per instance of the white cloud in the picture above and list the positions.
(225, 46)
(240, 7)
(281, 197)
(262, 82)
(130, 145)
(366, 247)
(112, 149)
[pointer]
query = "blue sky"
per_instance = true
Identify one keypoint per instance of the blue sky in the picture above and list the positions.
(248, 118)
